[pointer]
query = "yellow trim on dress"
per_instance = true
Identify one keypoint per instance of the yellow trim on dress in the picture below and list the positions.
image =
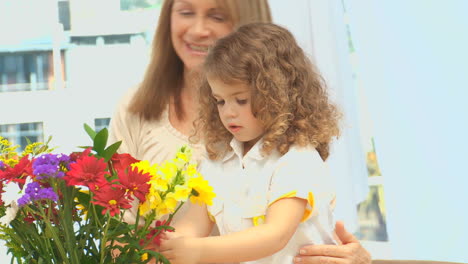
(311, 201)
(212, 218)
(258, 220)
(288, 195)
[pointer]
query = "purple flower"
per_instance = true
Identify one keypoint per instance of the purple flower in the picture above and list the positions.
(34, 192)
(50, 165)
(2, 165)
(23, 200)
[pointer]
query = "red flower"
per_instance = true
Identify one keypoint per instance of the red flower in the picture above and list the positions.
(19, 172)
(112, 199)
(87, 171)
(135, 183)
(78, 155)
(161, 226)
(122, 161)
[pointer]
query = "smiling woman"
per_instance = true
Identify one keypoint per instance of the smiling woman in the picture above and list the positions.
(195, 26)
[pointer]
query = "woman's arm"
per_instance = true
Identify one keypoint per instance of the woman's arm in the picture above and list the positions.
(349, 252)
(281, 222)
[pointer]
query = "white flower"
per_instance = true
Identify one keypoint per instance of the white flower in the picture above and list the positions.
(10, 213)
(11, 193)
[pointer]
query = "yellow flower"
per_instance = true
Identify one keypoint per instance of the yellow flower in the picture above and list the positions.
(4, 142)
(153, 200)
(201, 191)
(144, 256)
(170, 202)
(10, 162)
(181, 192)
(191, 170)
(184, 154)
(167, 206)
(158, 184)
(145, 167)
(30, 148)
(167, 171)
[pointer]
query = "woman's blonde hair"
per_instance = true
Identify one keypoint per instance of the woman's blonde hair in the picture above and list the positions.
(164, 75)
(288, 95)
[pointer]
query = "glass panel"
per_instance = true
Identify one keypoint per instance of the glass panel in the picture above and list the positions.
(117, 39)
(100, 123)
(17, 133)
(64, 14)
(372, 216)
(138, 4)
(26, 71)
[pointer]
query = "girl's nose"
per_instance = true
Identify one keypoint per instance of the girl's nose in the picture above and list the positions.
(230, 111)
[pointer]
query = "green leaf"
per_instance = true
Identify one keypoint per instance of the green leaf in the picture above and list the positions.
(111, 150)
(90, 131)
(100, 141)
(84, 147)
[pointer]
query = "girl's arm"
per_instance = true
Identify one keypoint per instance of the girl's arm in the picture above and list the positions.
(195, 222)
(257, 242)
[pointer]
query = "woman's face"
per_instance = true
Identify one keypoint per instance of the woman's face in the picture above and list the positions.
(195, 26)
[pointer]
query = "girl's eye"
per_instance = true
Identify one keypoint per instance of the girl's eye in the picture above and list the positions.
(241, 101)
(220, 102)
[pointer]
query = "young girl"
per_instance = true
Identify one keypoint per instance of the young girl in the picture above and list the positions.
(267, 126)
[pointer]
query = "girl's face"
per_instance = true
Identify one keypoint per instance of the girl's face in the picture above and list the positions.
(195, 26)
(234, 108)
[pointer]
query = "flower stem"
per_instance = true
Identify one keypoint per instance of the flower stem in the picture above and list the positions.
(104, 239)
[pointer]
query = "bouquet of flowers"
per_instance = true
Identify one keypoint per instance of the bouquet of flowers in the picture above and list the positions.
(70, 208)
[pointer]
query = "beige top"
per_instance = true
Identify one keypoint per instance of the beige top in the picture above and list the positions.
(155, 141)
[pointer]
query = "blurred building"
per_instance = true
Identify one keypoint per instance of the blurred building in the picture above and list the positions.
(65, 61)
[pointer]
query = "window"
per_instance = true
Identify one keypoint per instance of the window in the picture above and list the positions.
(126, 5)
(27, 71)
(18, 134)
(107, 39)
(100, 123)
(371, 212)
(64, 14)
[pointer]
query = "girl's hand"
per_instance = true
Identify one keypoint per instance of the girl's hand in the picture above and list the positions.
(350, 252)
(180, 250)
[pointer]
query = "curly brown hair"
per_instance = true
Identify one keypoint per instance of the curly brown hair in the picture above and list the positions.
(288, 95)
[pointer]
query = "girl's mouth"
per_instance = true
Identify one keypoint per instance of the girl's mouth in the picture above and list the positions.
(234, 128)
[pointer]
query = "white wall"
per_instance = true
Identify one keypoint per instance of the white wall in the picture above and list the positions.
(413, 57)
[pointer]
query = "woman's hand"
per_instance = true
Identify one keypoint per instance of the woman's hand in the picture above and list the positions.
(350, 252)
(180, 250)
